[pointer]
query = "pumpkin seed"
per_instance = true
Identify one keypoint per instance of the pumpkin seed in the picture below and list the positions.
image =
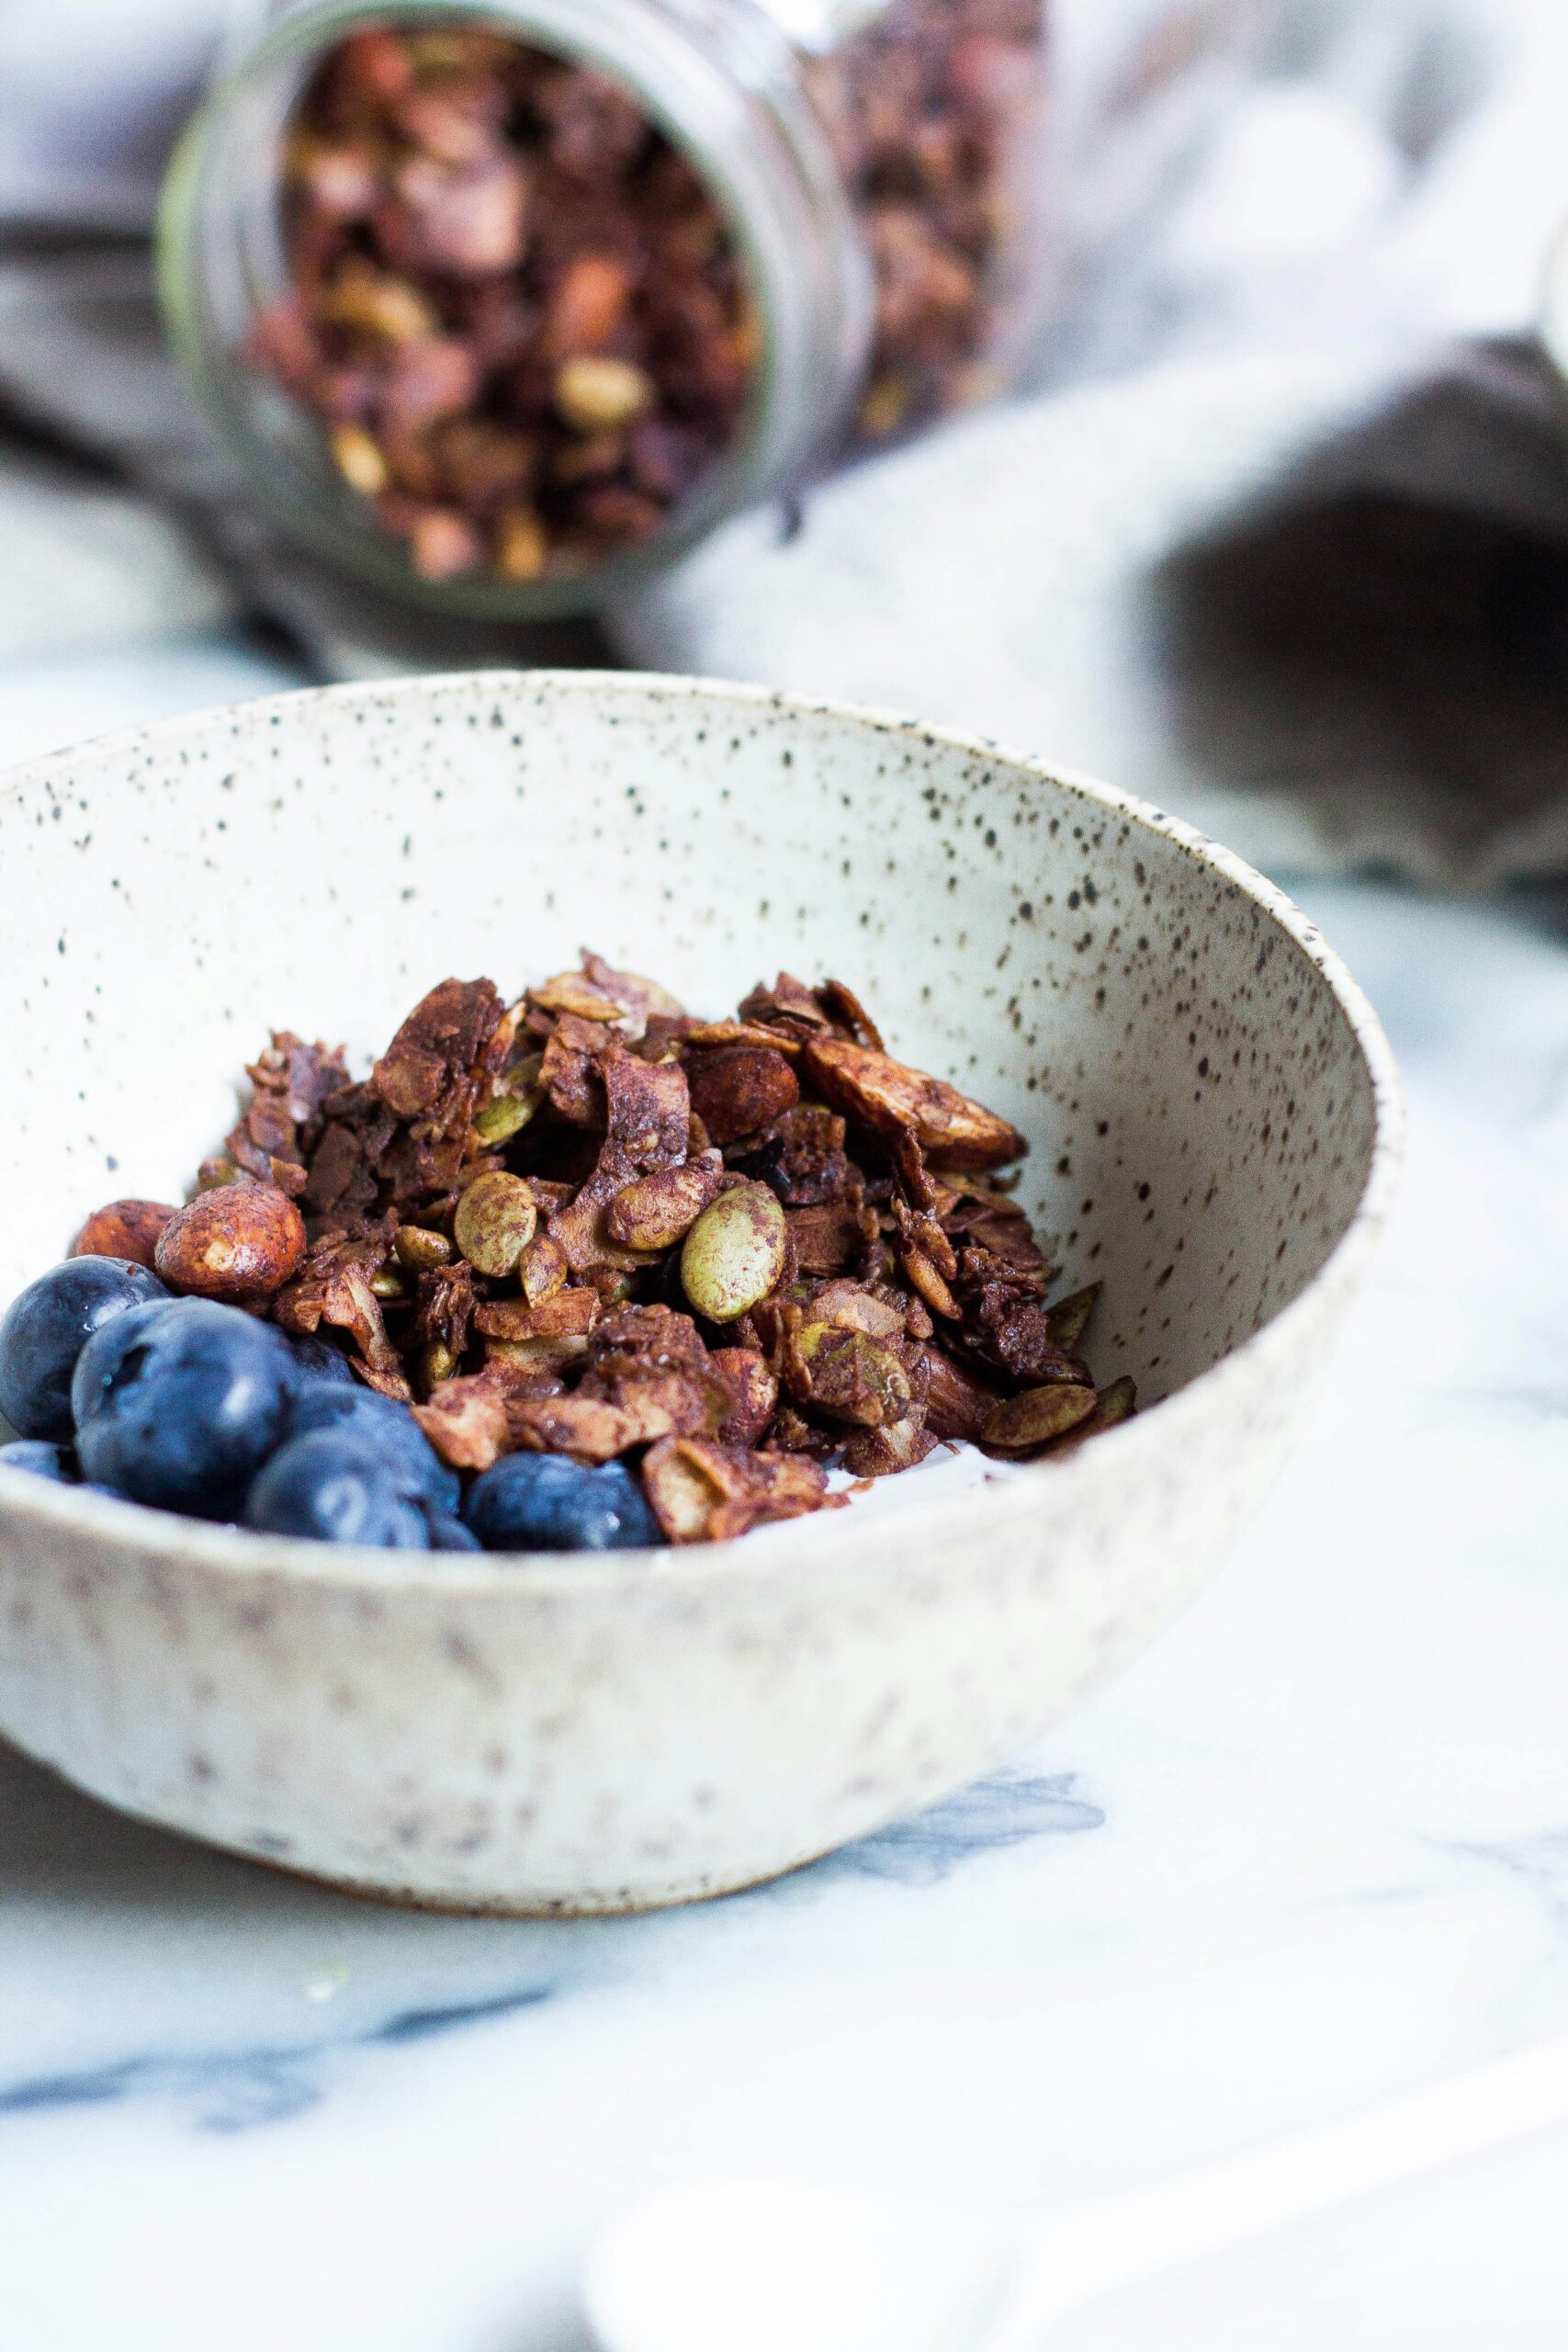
(418, 1249)
(1037, 1414)
(735, 1253)
(495, 1222)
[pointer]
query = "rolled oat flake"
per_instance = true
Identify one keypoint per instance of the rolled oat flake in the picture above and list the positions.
(501, 312)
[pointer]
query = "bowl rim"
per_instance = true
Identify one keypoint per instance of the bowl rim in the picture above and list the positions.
(793, 1545)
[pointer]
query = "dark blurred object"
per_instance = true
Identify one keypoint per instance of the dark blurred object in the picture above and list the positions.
(1389, 627)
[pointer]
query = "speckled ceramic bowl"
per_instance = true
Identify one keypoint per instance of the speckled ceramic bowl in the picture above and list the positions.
(1211, 1106)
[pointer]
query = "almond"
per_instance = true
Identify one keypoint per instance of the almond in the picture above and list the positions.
(239, 1243)
(124, 1229)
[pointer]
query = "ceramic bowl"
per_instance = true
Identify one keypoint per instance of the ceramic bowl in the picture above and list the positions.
(1210, 1107)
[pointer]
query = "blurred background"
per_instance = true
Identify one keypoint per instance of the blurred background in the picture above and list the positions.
(1271, 527)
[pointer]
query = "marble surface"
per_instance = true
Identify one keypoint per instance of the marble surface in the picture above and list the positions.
(1312, 1849)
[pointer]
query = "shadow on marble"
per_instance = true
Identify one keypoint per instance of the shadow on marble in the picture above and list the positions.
(61, 1848)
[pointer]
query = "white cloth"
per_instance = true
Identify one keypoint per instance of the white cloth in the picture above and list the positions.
(1284, 540)
(1281, 537)
(93, 92)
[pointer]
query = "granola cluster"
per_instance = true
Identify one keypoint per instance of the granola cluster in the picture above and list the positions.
(731, 1254)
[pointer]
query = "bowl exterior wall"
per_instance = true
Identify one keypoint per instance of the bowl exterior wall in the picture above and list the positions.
(513, 1749)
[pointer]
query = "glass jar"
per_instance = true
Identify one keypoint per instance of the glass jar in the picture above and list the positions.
(504, 307)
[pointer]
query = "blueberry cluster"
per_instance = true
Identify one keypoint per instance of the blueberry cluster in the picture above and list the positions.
(197, 1408)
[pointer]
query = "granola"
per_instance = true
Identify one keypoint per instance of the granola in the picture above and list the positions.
(518, 313)
(731, 1256)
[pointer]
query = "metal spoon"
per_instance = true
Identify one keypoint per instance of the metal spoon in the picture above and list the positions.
(757, 2267)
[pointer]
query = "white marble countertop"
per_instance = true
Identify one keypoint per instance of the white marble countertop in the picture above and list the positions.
(1313, 1847)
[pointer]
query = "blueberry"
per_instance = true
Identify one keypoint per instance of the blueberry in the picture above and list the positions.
(513, 1505)
(333, 1487)
(545, 1502)
(446, 1535)
(46, 1329)
(98, 1365)
(390, 1427)
(319, 1360)
(179, 1405)
(40, 1459)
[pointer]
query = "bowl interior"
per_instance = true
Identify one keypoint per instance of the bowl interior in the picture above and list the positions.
(1200, 1113)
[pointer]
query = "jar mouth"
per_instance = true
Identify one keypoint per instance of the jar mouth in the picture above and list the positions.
(724, 92)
